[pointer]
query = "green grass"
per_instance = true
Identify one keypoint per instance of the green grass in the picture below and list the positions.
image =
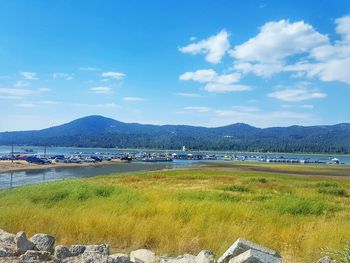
(296, 210)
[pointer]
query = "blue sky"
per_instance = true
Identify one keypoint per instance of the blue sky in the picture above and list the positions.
(208, 63)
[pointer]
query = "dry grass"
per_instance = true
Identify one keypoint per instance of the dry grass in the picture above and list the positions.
(173, 212)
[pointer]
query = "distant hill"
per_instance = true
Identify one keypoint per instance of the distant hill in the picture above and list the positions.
(98, 131)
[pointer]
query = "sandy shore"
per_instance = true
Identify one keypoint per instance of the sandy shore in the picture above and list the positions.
(19, 165)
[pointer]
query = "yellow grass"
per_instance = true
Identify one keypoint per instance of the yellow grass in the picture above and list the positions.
(184, 211)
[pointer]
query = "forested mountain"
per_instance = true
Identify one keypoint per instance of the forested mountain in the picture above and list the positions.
(98, 131)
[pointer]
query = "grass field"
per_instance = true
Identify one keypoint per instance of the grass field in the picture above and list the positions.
(294, 209)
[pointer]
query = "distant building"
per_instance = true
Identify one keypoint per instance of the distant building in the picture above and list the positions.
(184, 148)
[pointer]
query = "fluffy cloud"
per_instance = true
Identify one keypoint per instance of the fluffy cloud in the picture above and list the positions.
(214, 47)
(269, 52)
(133, 99)
(215, 82)
(29, 75)
(202, 75)
(278, 40)
(101, 90)
(113, 75)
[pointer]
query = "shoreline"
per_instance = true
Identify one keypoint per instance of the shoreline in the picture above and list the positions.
(19, 165)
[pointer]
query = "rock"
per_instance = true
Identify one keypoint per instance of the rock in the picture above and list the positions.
(8, 246)
(102, 249)
(241, 246)
(187, 258)
(118, 258)
(255, 256)
(35, 256)
(22, 243)
(43, 242)
(143, 256)
(62, 252)
(326, 260)
(205, 256)
(76, 250)
(86, 257)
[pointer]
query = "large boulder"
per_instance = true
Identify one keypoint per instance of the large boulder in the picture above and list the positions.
(255, 256)
(102, 249)
(8, 246)
(118, 258)
(241, 246)
(143, 256)
(62, 252)
(43, 242)
(205, 256)
(22, 243)
(35, 256)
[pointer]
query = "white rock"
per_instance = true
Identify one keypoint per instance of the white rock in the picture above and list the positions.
(255, 256)
(34, 256)
(119, 258)
(102, 249)
(242, 245)
(8, 246)
(326, 260)
(86, 257)
(43, 242)
(205, 256)
(187, 258)
(22, 243)
(143, 256)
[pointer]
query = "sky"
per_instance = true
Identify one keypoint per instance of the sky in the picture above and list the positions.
(205, 63)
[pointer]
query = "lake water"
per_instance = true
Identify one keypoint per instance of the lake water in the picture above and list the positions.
(19, 178)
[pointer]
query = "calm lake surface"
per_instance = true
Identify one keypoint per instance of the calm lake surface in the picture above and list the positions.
(19, 178)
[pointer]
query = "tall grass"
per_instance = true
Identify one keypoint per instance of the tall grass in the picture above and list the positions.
(175, 212)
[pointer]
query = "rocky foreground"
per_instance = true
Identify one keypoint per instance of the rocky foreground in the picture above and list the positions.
(41, 248)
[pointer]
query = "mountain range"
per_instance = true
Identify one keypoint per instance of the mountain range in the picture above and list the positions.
(99, 131)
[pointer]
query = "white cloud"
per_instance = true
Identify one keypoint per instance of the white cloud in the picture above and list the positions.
(278, 40)
(21, 84)
(296, 94)
(51, 102)
(194, 109)
(60, 75)
(133, 99)
(89, 69)
(216, 83)
(102, 90)
(224, 88)
(202, 75)
(10, 97)
(113, 75)
(29, 75)
(100, 105)
(44, 89)
(215, 47)
(343, 27)
(184, 94)
(15, 92)
(26, 105)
